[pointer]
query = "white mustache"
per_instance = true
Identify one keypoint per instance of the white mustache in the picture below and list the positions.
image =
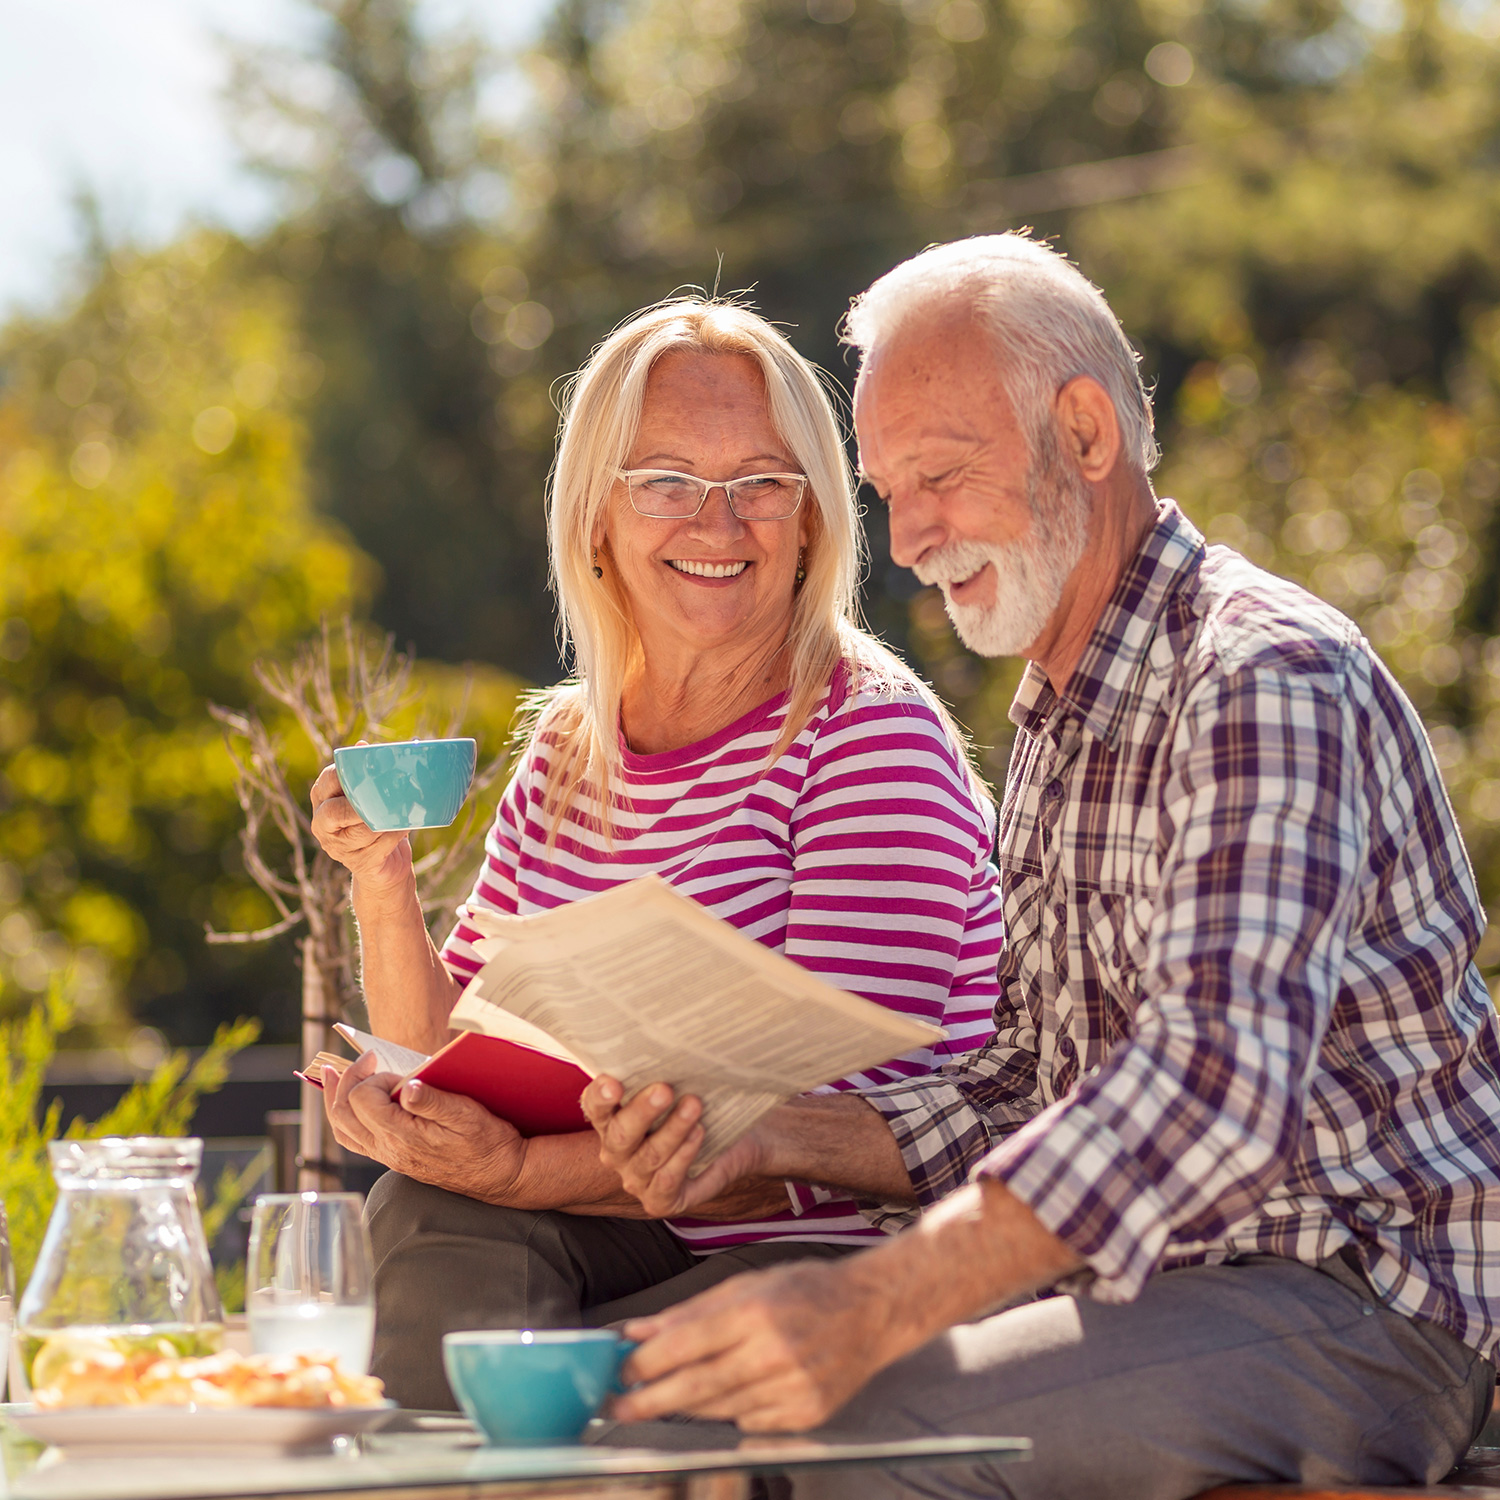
(953, 563)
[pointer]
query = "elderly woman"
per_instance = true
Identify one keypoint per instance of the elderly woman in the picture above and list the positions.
(731, 729)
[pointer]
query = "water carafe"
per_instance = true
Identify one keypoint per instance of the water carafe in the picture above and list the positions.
(124, 1264)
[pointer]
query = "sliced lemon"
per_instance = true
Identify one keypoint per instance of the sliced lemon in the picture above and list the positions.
(62, 1349)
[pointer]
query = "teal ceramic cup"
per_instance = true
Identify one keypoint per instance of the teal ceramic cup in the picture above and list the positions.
(533, 1388)
(412, 784)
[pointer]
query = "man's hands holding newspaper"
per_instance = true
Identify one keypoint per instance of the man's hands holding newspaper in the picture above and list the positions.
(653, 1165)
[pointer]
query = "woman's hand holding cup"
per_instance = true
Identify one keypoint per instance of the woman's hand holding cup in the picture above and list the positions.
(379, 862)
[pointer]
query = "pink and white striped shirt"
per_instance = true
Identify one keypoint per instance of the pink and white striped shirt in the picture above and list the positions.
(862, 852)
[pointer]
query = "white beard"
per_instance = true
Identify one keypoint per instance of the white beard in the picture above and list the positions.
(1029, 574)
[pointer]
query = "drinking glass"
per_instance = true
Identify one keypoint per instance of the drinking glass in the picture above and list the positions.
(308, 1277)
(7, 1299)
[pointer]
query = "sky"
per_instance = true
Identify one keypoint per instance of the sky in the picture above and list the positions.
(121, 98)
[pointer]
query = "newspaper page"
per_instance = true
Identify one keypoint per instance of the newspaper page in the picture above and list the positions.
(645, 985)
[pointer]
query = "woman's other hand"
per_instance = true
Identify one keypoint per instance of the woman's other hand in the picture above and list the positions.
(379, 862)
(426, 1134)
(654, 1165)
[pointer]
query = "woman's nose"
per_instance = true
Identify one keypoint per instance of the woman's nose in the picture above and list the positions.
(716, 516)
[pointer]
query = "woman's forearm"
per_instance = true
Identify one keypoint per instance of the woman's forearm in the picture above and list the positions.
(408, 991)
(564, 1172)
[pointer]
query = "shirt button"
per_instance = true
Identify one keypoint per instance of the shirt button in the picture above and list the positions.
(1054, 790)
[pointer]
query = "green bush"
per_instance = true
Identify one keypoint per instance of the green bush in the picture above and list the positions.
(161, 1105)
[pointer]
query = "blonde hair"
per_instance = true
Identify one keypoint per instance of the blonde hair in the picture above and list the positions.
(601, 410)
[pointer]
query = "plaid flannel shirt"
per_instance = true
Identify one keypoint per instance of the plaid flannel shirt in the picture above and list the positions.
(1238, 1008)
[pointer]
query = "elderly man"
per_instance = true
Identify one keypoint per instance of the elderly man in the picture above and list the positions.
(1239, 1113)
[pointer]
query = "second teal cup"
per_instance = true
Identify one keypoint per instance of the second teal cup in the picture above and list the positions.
(533, 1388)
(411, 784)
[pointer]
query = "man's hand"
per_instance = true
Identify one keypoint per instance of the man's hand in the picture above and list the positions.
(653, 1165)
(774, 1351)
(428, 1135)
(785, 1349)
(834, 1139)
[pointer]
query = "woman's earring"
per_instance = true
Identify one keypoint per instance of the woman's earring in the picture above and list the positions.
(801, 571)
(598, 571)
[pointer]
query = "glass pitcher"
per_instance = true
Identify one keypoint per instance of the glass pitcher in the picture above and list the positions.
(124, 1263)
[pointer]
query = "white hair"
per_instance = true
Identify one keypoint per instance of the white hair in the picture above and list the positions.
(1049, 321)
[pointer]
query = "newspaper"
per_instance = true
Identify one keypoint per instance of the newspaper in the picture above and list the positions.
(645, 985)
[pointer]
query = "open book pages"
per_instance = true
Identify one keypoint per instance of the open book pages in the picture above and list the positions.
(392, 1057)
(645, 985)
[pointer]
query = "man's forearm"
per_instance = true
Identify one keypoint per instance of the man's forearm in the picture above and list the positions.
(408, 991)
(783, 1351)
(978, 1249)
(838, 1141)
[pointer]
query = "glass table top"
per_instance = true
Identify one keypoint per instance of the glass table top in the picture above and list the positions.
(434, 1452)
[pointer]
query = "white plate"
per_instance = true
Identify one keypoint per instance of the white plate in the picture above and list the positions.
(102, 1431)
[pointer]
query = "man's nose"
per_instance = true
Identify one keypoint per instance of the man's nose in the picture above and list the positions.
(914, 528)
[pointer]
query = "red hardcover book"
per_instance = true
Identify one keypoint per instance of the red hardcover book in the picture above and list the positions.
(538, 1094)
(534, 1091)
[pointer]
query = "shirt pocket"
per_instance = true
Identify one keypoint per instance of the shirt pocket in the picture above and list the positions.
(1117, 935)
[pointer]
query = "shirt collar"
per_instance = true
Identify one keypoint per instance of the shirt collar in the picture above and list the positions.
(1099, 688)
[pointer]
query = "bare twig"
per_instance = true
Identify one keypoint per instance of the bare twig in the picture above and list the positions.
(260, 935)
(332, 703)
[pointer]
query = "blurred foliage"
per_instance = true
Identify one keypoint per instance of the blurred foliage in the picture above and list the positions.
(1291, 203)
(161, 1105)
(389, 249)
(156, 537)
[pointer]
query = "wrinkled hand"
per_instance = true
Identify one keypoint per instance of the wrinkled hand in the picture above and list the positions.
(774, 1351)
(654, 1166)
(431, 1136)
(380, 862)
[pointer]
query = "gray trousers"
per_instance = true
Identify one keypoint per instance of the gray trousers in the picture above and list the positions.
(445, 1262)
(1260, 1370)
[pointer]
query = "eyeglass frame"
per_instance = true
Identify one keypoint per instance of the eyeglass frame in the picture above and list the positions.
(708, 486)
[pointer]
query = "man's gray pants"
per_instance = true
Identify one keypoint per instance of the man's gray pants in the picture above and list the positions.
(445, 1262)
(1260, 1370)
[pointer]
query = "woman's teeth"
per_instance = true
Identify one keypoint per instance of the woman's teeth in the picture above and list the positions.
(708, 570)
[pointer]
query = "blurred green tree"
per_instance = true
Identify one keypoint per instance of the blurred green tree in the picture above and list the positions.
(156, 536)
(393, 249)
(1291, 205)
(156, 539)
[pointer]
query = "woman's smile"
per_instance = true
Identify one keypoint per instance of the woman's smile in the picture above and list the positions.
(705, 571)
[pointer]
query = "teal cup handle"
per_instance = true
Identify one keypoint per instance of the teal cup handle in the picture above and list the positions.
(410, 784)
(627, 1348)
(534, 1387)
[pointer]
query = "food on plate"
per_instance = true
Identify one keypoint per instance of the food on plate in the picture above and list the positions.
(95, 1374)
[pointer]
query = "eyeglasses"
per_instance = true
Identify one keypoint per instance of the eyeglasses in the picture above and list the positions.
(669, 496)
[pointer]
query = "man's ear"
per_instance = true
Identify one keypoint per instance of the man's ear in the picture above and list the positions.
(1089, 426)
